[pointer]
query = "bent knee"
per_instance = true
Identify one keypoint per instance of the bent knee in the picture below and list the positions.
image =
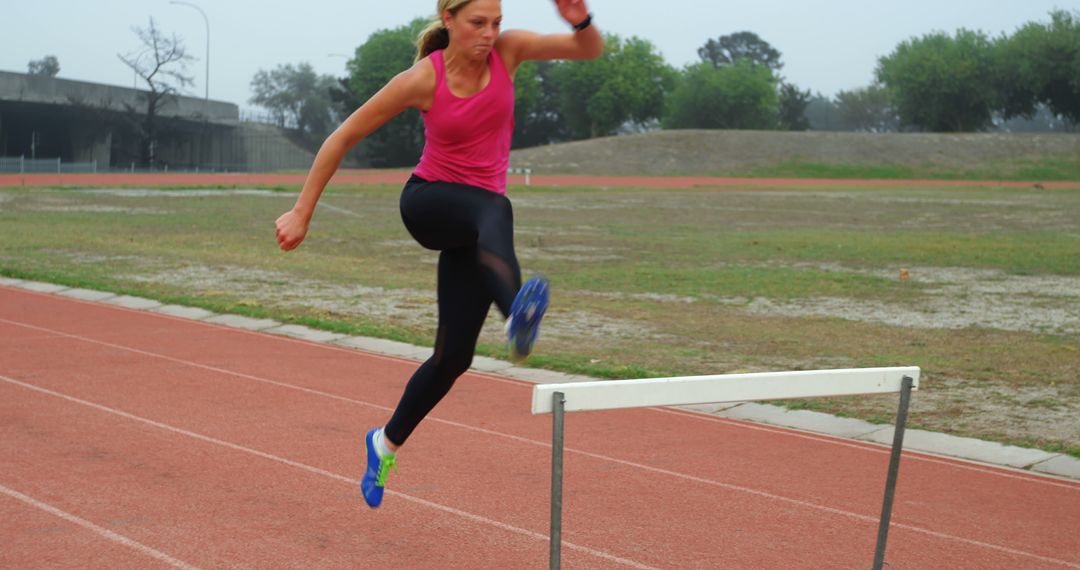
(454, 364)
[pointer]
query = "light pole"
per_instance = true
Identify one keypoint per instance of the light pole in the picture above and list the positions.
(207, 20)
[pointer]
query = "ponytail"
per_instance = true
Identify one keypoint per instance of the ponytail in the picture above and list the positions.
(434, 37)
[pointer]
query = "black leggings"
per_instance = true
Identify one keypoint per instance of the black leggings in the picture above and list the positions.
(473, 228)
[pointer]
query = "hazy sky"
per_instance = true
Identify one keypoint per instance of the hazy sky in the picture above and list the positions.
(827, 45)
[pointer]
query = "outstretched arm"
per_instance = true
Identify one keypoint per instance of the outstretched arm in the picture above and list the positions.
(407, 89)
(588, 43)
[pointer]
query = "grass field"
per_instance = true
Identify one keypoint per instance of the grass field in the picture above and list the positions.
(647, 282)
(815, 154)
(1027, 170)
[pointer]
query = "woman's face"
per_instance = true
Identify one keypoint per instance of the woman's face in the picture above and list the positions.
(475, 28)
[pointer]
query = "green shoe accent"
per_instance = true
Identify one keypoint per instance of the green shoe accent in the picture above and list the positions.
(385, 463)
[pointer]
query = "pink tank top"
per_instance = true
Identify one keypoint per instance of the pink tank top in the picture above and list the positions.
(467, 140)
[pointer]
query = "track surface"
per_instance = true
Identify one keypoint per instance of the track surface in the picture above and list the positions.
(135, 440)
(400, 176)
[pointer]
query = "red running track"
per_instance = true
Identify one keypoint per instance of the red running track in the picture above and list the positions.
(131, 439)
(398, 177)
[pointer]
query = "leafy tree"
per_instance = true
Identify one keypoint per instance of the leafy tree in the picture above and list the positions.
(161, 64)
(726, 50)
(1043, 120)
(867, 109)
(536, 106)
(749, 48)
(942, 83)
(738, 96)
(626, 84)
(48, 66)
(1040, 63)
(382, 56)
(298, 98)
(793, 103)
(822, 114)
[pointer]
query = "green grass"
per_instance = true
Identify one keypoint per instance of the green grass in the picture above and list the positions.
(795, 169)
(1046, 169)
(739, 281)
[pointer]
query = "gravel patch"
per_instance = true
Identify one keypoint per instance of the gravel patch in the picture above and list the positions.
(409, 307)
(1010, 411)
(957, 298)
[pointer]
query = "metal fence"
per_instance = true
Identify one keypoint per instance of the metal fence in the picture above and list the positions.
(23, 165)
(268, 118)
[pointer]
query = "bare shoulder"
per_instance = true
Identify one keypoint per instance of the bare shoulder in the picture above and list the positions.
(511, 45)
(416, 84)
(511, 42)
(420, 77)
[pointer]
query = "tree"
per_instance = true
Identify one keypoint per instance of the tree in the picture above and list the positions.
(726, 50)
(383, 55)
(822, 114)
(536, 106)
(161, 64)
(48, 66)
(793, 103)
(942, 83)
(1043, 120)
(625, 84)
(297, 97)
(1040, 63)
(868, 109)
(738, 96)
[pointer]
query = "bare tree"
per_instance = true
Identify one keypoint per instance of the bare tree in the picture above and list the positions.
(162, 65)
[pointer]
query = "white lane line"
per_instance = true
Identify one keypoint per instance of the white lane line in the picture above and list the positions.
(856, 516)
(325, 473)
(959, 463)
(339, 210)
(955, 462)
(138, 546)
(858, 445)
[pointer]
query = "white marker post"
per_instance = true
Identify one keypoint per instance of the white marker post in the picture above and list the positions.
(608, 395)
(526, 171)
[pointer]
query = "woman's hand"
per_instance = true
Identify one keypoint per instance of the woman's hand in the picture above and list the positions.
(573, 11)
(291, 228)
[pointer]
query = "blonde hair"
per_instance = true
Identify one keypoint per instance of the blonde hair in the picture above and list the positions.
(436, 36)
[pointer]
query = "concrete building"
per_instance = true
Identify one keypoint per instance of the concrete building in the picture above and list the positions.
(79, 122)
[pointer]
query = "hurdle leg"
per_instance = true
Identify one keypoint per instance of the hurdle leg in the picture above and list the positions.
(558, 404)
(894, 469)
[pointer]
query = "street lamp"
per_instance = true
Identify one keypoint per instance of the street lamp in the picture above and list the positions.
(207, 20)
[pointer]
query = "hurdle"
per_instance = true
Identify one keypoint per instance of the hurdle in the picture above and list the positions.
(526, 171)
(557, 399)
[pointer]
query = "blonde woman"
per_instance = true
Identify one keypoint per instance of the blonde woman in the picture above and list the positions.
(455, 202)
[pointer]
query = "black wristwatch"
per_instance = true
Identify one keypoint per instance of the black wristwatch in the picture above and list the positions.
(583, 24)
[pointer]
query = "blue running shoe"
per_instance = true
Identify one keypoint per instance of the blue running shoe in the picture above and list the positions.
(374, 482)
(525, 314)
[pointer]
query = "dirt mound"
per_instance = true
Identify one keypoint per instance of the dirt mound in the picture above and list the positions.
(713, 152)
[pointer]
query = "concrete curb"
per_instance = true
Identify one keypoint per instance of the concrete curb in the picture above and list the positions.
(86, 294)
(305, 333)
(192, 313)
(129, 302)
(1032, 460)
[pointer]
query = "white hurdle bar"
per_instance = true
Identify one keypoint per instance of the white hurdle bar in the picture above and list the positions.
(526, 171)
(616, 394)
